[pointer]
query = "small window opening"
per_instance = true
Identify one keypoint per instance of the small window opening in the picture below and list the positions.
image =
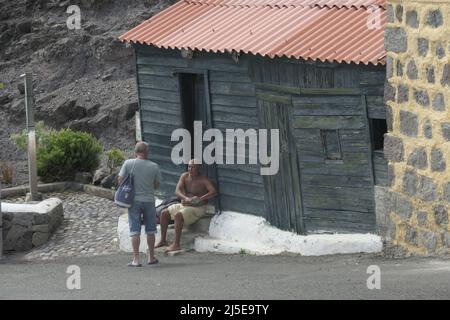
(331, 144)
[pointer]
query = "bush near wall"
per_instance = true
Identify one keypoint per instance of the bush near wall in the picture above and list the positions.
(66, 153)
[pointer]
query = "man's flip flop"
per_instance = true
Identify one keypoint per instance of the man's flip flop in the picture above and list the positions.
(153, 262)
(131, 264)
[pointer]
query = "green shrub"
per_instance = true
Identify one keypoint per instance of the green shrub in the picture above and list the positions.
(115, 159)
(43, 134)
(66, 153)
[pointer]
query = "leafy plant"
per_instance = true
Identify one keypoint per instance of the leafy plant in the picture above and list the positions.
(115, 159)
(66, 153)
(7, 173)
(43, 134)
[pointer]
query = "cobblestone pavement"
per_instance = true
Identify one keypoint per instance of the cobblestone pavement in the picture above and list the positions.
(89, 228)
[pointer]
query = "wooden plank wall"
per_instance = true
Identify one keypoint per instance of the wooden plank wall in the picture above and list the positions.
(336, 197)
(233, 106)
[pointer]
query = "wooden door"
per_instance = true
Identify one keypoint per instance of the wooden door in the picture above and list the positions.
(282, 191)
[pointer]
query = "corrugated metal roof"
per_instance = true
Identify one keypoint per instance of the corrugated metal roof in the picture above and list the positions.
(295, 3)
(325, 30)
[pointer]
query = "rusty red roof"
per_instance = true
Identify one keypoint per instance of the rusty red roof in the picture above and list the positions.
(325, 30)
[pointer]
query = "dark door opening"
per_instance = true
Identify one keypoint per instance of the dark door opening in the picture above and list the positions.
(193, 102)
(195, 106)
(379, 129)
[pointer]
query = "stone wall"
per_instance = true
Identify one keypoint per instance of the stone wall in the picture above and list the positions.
(26, 226)
(413, 212)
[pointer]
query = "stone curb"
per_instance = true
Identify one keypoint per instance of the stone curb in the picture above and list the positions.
(59, 187)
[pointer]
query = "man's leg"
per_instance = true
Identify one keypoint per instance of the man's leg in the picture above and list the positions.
(136, 241)
(134, 221)
(151, 247)
(164, 223)
(150, 229)
(178, 229)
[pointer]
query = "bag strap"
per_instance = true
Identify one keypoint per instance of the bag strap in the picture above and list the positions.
(132, 169)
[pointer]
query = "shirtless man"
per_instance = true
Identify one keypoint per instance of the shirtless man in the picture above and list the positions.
(194, 190)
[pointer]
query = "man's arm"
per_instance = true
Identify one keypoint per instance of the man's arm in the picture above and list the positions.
(212, 192)
(122, 173)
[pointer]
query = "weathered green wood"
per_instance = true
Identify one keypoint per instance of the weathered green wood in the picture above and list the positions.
(344, 169)
(158, 82)
(368, 137)
(233, 89)
(272, 97)
(159, 95)
(223, 125)
(283, 200)
(330, 109)
(245, 168)
(234, 101)
(162, 118)
(362, 193)
(152, 70)
(332, 203)
(330, 91)
(380, 168)
(157, 128)
(250, 112)
(230, 117)
(277, 88)
(210, 64)
(234, 77)
(340, 220)
(151, 106)
(373, 78)
(336, 181)
(245, 205)
(350, 135)
(237, 189)
(234, 175)
(329, 122)
(346, 76)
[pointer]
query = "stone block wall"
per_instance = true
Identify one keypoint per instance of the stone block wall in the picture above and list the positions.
(27, 226)
(414, 211)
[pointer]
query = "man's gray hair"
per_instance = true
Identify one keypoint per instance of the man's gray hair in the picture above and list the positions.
(141, 147)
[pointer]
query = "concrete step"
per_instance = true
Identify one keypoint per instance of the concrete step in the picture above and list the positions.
(198, 229)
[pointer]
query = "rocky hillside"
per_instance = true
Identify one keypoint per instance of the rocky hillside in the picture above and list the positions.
(83, 79)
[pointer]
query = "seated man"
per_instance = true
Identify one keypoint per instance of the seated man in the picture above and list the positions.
(194, 190)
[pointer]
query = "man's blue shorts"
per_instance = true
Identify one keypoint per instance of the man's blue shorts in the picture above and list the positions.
(148, 212)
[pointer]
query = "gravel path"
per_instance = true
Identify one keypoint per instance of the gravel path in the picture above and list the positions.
(89, 228)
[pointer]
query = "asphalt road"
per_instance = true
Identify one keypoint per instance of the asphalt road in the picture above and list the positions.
(210, 276)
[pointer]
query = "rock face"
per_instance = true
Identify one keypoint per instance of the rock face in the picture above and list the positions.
(83, 79)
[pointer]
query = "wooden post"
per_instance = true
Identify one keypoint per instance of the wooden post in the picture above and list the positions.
(32, 168)
(138, 127)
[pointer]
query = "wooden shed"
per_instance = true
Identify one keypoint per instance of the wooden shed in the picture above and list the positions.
(314, 69)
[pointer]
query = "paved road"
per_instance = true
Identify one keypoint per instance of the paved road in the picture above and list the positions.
(209, 276)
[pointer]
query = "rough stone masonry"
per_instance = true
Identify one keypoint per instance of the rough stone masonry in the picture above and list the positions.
(413, 217)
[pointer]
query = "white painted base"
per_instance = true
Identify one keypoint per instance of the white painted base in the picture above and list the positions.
(125, 239)
(42, 207)
(233, 232)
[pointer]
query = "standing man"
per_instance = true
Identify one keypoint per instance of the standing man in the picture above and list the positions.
(147, 178)
(194, 190)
